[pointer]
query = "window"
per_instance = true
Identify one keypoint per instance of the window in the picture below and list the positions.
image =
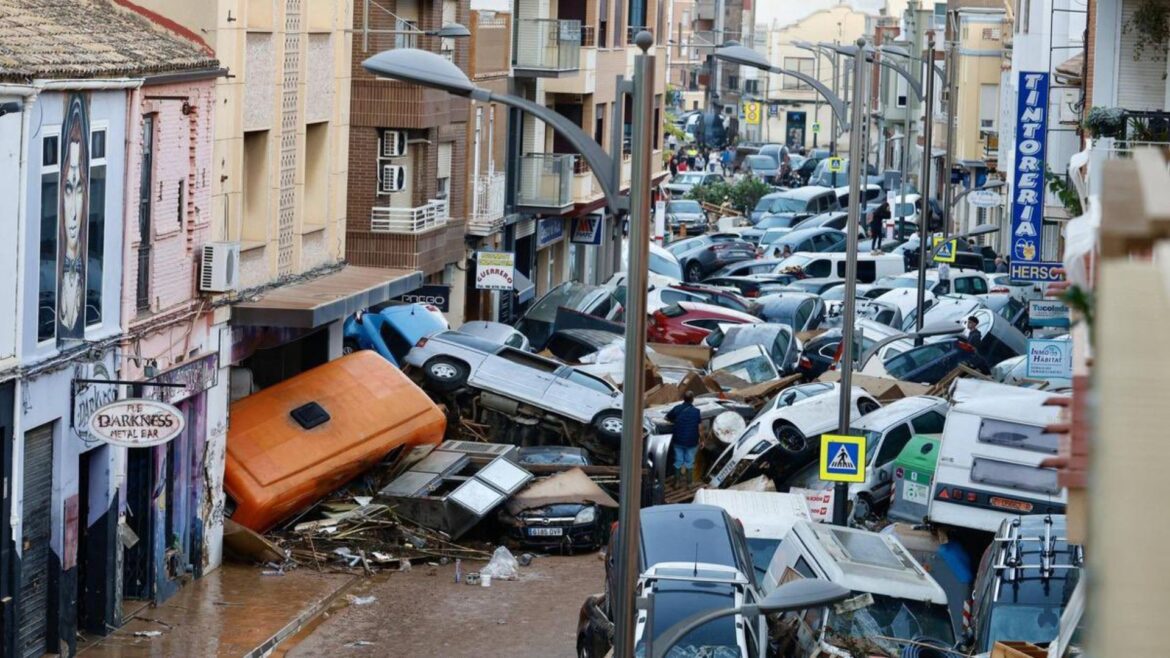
(895, 440)
(589, 382)
(50, 186)
(751, 86)
(444, 171)
(97, 226)
(732, 82)
(254, 227)
(988, 106)
(818, 268)
(803, 312)
(316, 174)
(1015, 435)
(1014, 476)
(395, 341)
(805, 65)
(447, 46)
(145, 183)
(804, 569)
(406, 34)
(931, 422)
(528, 360)
(603, 24)
(670, 296)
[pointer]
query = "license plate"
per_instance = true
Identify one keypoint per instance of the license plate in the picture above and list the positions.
(723, 473)
(545, 532)
(1008, 503)
(914, 492)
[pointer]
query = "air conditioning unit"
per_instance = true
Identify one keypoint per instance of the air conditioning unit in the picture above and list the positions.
(393, 179)
(219, 270)
(393, 144)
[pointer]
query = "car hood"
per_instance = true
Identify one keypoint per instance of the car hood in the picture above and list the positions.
(571, 486)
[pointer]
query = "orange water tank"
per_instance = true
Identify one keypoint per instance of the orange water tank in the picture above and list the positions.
(278, 461)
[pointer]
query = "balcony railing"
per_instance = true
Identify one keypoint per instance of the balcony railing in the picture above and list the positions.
(588, 36)
(544, 44)
(546, 180)
(633, 30)
(420, 219)
(488, 206)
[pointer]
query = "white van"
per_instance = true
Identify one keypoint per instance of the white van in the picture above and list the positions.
(894, 597)
(989, 460)
(766, 516)
(831, 265)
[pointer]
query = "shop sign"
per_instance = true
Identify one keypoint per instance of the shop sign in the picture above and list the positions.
(1028, 186)
(549, 231)
(136, 423)
(494, 270)
(89, 397)
(435, 294)
(1049, 359)
(586, 230)
(186, 380)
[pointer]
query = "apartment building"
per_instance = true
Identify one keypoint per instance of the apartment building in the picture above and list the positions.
(567, 56)
(797, 115)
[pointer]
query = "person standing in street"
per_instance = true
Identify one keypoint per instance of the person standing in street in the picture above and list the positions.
(673, 165)
(1000, 266)
(685, 439)
(877, 226)
(726, 159)
(973, 336)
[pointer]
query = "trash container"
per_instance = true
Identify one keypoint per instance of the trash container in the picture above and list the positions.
(913, 470)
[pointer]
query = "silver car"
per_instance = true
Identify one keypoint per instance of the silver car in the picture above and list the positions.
(496, 332)
(520, 384)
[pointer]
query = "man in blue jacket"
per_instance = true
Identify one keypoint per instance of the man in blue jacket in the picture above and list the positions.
(685, 440)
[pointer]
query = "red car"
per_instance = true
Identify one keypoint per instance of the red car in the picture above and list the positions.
(688, 323)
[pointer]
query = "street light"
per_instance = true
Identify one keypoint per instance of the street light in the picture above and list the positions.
(745, 56)
(817, 53)
(431, 70)
(792, 596)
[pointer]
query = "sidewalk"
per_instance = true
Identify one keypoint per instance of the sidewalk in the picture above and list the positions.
(233, 611)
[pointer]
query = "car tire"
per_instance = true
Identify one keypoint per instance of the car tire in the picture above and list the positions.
(445, 373)
(863, 506)
(792, 441)
(608, 425)
(694, 272)
(866, 406)
(349, 347)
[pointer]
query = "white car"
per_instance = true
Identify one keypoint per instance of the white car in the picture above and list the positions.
(782, 439)
(682, 589)
(961, 281)
(886, 432)
(750, 364)
(1024, 292)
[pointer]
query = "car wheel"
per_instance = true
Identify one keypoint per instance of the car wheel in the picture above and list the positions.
(445, 373)
(792, 441)
(694, 272)
(608, 425)
(349, 347)
(862, 507)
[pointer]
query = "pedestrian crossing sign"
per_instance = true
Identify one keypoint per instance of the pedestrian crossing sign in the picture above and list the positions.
(842, 458)
(946, 252)
(836, 165)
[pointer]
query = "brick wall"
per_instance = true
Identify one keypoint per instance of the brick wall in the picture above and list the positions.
(1090, 54)
(181, 170)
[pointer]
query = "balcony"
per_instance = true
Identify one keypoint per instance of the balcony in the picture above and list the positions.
(546, 48)
(546, 182)
(488, 205)
(584, 190)
(409, 221)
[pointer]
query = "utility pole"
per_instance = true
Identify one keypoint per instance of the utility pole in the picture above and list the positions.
(952, 116)
(629, 506)
(849, 307)
(836, 69)
(924, 221)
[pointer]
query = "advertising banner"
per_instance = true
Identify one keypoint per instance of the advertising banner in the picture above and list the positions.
(1028, 183)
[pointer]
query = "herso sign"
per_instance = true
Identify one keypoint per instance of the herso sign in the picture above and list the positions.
(136, 423)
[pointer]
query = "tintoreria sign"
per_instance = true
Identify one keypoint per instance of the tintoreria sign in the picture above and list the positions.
(1028, 186)
(136, 423)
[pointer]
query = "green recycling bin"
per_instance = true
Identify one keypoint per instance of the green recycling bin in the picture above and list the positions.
(913, 471)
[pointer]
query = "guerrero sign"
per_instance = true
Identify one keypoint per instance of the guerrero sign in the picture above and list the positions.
(136, 423)
(494, 270)
(1028, 186)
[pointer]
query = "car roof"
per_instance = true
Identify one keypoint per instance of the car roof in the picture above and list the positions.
(896, 412)
(865, 561)
(806, 192)
(707, 538)
(700, 307)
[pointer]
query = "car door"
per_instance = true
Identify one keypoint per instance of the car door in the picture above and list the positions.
(882, 480)
(802, 315)
(579, 395)
(516, 374)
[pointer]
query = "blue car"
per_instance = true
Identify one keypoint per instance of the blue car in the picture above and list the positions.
(392, 331)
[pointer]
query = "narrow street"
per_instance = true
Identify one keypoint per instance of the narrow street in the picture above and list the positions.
(424, 613)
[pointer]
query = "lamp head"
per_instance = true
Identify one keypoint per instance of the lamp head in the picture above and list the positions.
(421, 68)
(743, 56)
(451, 31)
(803, 594)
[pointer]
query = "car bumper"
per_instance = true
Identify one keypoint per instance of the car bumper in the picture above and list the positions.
(573, 537)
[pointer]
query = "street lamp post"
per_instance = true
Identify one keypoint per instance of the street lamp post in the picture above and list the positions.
(924, 221)
(430, 70)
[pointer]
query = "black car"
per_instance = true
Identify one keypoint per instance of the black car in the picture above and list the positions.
(684, 533)
(1024, 582)
(800, 310)
(818, 240)
(747, 267)
(819, 354)
(702, 255)
(564, 513)
(929, 363)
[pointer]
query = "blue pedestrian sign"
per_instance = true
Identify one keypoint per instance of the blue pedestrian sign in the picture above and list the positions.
(842, 458)
(946, 252)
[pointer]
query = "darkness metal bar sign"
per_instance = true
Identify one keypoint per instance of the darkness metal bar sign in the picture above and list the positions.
(1028, 183)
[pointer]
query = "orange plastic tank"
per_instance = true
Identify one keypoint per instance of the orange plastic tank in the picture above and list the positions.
(275, 467)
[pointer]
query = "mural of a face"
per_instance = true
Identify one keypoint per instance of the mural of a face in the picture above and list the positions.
(73, 198)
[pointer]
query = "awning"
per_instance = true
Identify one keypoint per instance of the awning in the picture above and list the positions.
(525, 290)
(1069, 71)
(327, 298)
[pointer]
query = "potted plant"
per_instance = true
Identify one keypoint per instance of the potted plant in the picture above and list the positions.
(1106, 122)
(1150, 24)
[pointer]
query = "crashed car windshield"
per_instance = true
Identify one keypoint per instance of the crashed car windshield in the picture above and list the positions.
(664, 266)
(890, 617)
(753, 371)
(676, 601)
(569, 296)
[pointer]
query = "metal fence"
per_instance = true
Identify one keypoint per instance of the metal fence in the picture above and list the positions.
(546, 180)
(548, 44)
(419, 219)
